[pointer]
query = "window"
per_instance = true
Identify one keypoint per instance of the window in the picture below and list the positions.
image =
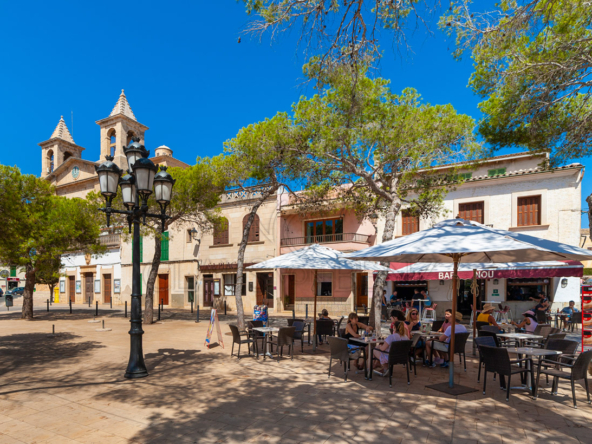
(13, 271)
(188, 237)
(112, 143)
(410, 222)
(190, 289)
(326, 230)
(230, 284)
(50, 159)
(471, 211)
(465, 176)
(67, 155)
(496, 172)
(254, 231)
(164, 246)
(130, 136)
(324, 284)
(529, 211)
(221, 232)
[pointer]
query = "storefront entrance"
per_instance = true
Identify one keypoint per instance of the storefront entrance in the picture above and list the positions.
(208, 291)
(465, 295)
(71, 288)
(163, 289)
(265, 289)
(107, 288)
(88, 287)
(361, 289)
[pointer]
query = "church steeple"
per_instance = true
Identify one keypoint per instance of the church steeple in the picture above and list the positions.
(118, 129)
(62, 132)
(58, 148)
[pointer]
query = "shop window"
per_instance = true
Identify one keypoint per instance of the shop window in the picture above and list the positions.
(496, 172)
(230, 285)
(523, 289)
(471, 211)
(221, 232)
(325, 230)
(254, 231)
(164, 246)
(529, 211)
(324, 284)
(410, 222)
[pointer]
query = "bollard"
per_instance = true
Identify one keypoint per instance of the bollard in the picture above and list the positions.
(53, 329)
(162, 304)
(158, 312)
(103, 324)
(88, 302)
(224, 308)
(306, 317)
(191, 306)
(97, 309)
(48, 305)
(111, 303)
(125, 309)
(293, 313)
(197, 320)
(70, 306)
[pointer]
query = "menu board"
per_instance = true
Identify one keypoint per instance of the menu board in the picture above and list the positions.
(586, 316)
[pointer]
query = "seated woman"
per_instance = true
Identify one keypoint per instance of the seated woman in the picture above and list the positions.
(447, 320)
(529, 322)
(324, 316)
(351, 331)
(441, 345)
(412, 324)
(396, 315)
(485, 315)
(381, 351)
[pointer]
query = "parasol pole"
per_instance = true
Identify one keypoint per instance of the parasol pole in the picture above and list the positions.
(314, 313)
(455, 260)
(474, 288)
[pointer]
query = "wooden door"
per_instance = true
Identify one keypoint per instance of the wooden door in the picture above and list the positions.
(361, 289)
(265, 289)
(72, 288)
(107, 288)
(208, 292)
(291, 288)
(88, 287)
(163, 288)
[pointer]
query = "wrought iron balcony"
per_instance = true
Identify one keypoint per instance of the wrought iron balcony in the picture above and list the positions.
(325, 239)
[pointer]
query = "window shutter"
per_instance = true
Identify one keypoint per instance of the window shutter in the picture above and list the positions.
(410, 223)
(529, 211)
(164, 246)
(471, 211)
(254, 231)
(221, 234)
(13, 271)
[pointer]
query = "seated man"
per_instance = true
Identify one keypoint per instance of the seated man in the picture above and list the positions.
(441, 345)
(567, 312)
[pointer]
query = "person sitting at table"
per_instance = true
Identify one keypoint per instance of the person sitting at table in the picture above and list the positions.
(567, 312)
(351, 331)
(486, 316)
(324, 316)
(447, 320)
(529, 323)
(442, 344)
(396, 315)
(381, 351)
(412, 324)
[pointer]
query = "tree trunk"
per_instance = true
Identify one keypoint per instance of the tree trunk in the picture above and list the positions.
(28, 293)
(149, 309)
(589, 202)
(240, 312)
(380, 281)
(51, 288)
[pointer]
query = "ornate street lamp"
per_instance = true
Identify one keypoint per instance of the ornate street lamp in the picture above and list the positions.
(135, 186)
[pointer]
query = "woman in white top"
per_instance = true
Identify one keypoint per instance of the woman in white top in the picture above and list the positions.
(529, 323)
(381, 352)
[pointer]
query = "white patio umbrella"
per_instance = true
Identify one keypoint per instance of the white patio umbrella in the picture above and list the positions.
(316, 257)
(456, 239)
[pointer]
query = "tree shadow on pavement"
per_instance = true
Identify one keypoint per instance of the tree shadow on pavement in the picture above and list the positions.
(63, 314)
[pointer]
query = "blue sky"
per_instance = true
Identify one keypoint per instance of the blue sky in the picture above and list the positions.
(184, 73)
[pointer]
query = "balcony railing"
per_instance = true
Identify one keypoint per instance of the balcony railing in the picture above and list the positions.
(109, 239)
(324, 239)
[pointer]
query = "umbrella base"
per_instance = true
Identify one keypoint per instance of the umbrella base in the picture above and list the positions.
(454, 391)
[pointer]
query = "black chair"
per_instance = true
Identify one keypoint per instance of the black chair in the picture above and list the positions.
(479, 325)
(556, 336)
(460, 341)
(498, 341)
(399, 354)
(566, 347)
(339, 350)
(577, 370)
(575, 319)
(299, 333)
(291, 321)
(497, 360)
(338, 326)
(325, 327)
(488, 341)
(237, 339)
(413, 351)
(542, 330)
(256, 336)
(285, 337)
(436, 325)
(491, 328)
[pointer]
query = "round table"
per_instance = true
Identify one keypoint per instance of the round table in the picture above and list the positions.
(528, 351)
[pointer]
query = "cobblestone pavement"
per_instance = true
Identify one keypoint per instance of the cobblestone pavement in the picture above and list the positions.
(70, 388)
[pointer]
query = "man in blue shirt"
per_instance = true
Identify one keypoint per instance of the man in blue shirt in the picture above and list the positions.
(568, 311)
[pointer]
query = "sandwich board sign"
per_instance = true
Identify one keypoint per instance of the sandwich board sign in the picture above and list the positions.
(214, 323)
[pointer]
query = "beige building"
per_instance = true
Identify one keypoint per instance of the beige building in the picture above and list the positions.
(201, 266)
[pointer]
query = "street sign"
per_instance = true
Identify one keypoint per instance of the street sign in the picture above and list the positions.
(4, 273)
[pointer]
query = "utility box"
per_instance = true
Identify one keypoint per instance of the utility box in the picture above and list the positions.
(8, 300)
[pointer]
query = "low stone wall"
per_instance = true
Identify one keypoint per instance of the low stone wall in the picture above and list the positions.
(335, 306)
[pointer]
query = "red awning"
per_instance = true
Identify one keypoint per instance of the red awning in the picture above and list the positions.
(435, 272)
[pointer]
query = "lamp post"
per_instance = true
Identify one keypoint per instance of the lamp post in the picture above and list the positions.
(136, 187)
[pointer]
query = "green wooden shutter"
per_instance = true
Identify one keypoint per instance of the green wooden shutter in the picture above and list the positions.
(12, 271)
(164, 246)
(141, 285)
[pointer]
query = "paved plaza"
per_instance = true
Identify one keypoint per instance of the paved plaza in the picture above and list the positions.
(69, 388)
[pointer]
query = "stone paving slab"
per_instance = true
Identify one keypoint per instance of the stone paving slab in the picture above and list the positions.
(70, 389)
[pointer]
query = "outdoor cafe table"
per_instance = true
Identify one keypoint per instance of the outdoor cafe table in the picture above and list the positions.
(557, 316)
(427, 335)
(520, 337)
(531, 352)
(267, 330)
(369, 342)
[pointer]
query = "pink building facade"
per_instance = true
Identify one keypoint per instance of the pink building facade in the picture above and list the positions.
(339, 291)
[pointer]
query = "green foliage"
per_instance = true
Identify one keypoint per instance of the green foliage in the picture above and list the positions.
(532, 67)
(38, 226)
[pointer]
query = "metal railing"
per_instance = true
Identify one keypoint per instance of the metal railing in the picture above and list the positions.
(110, 239)
(325, 238)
